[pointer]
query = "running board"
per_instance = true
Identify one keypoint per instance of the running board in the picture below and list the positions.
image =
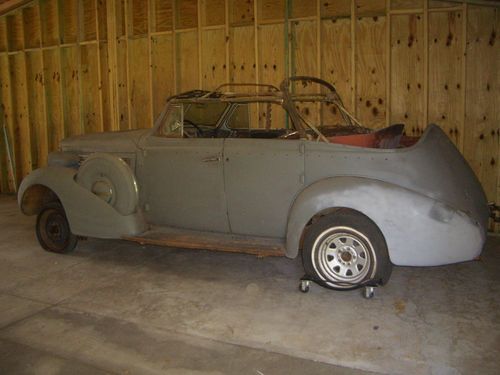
(188, 239)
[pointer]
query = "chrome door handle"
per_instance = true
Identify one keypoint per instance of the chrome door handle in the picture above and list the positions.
(211, 158)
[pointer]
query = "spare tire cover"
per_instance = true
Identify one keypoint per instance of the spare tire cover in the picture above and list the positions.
(111, 179)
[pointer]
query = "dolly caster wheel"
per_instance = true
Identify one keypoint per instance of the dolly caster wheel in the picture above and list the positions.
(304, 286)
(368, 292)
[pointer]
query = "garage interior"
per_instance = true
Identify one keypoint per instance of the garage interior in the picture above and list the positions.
(72, 67)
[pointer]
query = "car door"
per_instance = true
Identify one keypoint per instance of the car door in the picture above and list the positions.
(182, 183)
(262, 179)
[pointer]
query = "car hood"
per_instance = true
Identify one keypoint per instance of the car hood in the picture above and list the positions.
(119, 141)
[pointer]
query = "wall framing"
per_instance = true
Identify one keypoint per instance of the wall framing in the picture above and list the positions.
(73, 66)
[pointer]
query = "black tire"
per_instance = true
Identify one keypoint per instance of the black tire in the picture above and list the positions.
(346, 250)
(53, 230)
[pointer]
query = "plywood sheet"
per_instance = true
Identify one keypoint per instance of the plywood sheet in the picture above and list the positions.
(162, 71)
(138, 17)
(271, 54)
(68, 10)
(371, 71)
(91, 110)
(88, 29)
(52, 84)
(482, 114)
(241, 12)
(213, 12)
(163, 15)
(242, 62)
(139, 90)
(107, 122)
(407, 72)
(49, 18)
(38, 124)
(7, 111)
(407, 4)
(213, 58)
(15, 31)
(445, 73)
(70, 75)
(123, 104)
(21, 139)
(187, 68)
(336, 64)
(336, 8)
(304, 49)
(303, 8)
(32, 31)
(370, 7)
(186, 14)
(271, 10)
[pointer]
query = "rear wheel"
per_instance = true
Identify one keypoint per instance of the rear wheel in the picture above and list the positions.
(53, 231)
(346, 250)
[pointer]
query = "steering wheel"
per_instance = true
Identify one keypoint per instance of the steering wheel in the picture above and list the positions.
(189, 122)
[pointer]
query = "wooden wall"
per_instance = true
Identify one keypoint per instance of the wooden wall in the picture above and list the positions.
(76, 66)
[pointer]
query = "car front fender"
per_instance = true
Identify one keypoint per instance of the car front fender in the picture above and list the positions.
(87, 214)
(419, 231)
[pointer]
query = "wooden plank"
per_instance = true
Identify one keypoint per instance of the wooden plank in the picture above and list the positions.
(370, 71)
(186, 239)
(241, 12)
(407, 4)
(163, 15)
(70, 76)
(139, 90)
(242, 64)
(91, 110)
(162, 71)
(271, 10)
(122, 90)
(213, 58)
(336, 64)
(88, 29)
(49, 22)
(213, 12)
(54, 110)
(482, 115)
(15, 34)
(445, 73)
(186, 14)
(21, 139)
(8, 113)
(187, 61)
(407, 72)
(336, 8)
(120, 17)
(271, 54)
(433, 4)
(38, 124)
(112, 73)
(68, 10)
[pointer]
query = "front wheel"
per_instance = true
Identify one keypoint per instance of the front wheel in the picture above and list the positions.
(346, 250)
(53, 231)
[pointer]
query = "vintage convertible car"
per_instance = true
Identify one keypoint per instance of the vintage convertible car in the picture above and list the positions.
(245, 168)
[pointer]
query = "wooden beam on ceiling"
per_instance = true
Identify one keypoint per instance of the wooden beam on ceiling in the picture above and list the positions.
(9, 5)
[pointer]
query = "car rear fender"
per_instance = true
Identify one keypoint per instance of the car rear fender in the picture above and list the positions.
(418, 230)
(87, 214)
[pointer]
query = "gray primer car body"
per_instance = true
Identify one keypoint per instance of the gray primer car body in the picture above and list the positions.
(425, 198)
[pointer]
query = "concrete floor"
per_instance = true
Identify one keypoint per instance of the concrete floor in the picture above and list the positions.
(117, 307)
